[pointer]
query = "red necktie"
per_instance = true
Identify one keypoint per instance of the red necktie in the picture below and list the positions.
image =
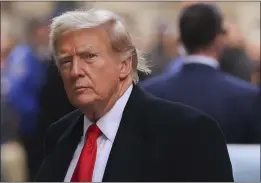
(84, 169)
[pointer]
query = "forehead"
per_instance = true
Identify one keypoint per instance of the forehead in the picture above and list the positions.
(91, 38)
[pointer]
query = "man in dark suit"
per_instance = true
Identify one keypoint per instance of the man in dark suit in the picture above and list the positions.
(232, 102)
(121, 133)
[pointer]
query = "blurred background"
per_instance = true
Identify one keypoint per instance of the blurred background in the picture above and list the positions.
(32, 95)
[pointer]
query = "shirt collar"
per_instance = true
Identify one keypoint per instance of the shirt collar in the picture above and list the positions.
(199, 59)
(109, 123)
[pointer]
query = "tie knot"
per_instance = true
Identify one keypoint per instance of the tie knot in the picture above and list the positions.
(93, 131)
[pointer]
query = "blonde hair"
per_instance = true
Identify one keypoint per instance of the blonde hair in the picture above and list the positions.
(121, 40)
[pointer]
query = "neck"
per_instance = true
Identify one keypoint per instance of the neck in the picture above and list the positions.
(207, 54)
(96, 111)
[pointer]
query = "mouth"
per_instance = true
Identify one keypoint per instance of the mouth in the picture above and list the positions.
(80, 88)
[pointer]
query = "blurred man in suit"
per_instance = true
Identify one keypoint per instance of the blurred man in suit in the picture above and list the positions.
(120, 133)
(200, 83)
(235, 60)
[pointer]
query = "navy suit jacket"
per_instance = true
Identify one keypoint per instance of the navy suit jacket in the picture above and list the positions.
(232, 102)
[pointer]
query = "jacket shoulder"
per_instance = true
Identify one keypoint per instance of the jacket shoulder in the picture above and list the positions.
(176, 117)
(63, 122)
(241, 85)
(168, 110)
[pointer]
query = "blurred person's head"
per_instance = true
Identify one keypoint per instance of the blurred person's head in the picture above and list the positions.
(38, 31)
(201, 30)
(234, 38)
(96, 57)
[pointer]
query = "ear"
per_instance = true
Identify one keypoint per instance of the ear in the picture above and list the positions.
(125, 67)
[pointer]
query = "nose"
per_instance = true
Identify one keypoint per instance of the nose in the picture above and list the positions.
(76, 70)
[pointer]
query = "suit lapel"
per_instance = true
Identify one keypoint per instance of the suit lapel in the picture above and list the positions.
(125, 160)
(66, 146)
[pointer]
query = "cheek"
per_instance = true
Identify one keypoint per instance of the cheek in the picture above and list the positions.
(106, 70)
(106, 78)
(110, 74)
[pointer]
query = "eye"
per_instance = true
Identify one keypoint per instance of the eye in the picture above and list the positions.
(65, 60)
(91, 55)
(87, 56)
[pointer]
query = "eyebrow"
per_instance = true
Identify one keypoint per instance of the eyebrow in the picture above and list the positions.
(84, 49)
(64, 54)
(78, 50)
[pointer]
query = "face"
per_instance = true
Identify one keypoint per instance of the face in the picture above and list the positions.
(42, 35)
(90, 70)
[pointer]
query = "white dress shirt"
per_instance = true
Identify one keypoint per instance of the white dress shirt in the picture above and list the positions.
(201, 60)
(108, 125)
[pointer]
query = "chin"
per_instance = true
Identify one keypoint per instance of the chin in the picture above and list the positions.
(83, 100)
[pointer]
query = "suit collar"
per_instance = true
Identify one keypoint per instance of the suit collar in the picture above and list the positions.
(204, 60)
